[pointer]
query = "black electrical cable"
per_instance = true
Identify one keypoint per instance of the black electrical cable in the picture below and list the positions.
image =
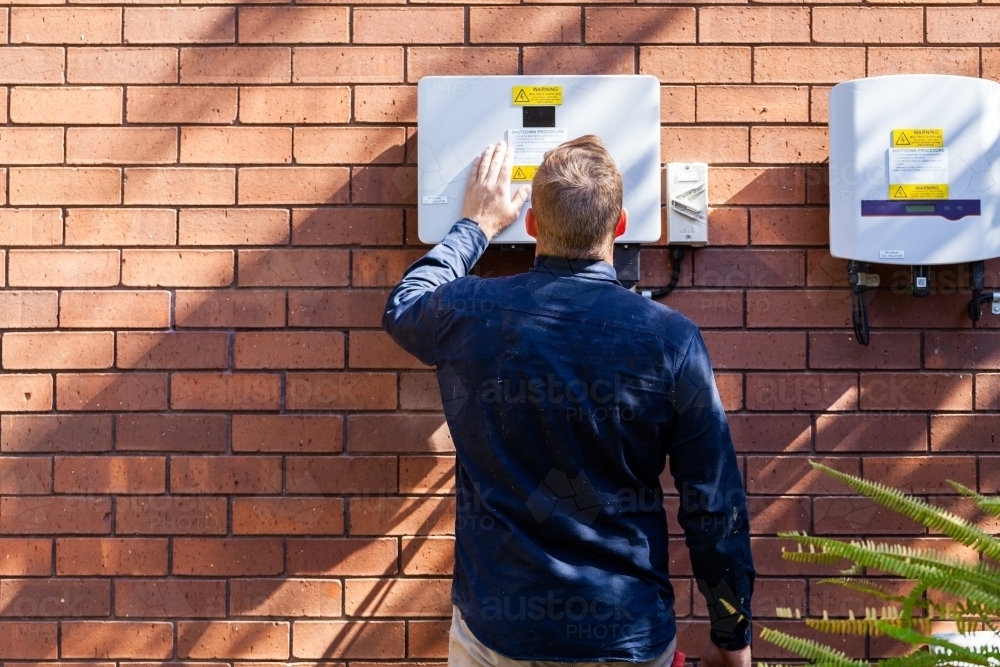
(676, 257)
(859, 314)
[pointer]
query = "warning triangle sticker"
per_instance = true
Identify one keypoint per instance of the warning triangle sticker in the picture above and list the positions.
(521, 96)
(900, 193)
(901, 140)
(519, 175)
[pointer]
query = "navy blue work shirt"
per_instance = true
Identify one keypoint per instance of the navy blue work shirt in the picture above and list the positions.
(566, 394)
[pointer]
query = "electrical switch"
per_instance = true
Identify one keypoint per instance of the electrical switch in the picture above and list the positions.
(687, 203)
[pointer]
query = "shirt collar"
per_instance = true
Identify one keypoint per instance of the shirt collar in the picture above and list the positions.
(594, 269)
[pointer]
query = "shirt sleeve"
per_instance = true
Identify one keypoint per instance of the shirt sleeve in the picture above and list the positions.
(713, 504)
(411, 311)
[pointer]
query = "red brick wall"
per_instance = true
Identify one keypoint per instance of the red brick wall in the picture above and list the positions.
(208, 448)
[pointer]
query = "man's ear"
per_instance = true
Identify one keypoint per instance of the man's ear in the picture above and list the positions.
(621, 224)
(530, 224)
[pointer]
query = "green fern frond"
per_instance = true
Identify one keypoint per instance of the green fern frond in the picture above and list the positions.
(865, 586)
(918, 659)
(810, 650)
(812, 556)
(920, 511)
(951, 649)
(989, 506)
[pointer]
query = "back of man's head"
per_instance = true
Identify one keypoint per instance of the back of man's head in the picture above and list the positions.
(576, 198)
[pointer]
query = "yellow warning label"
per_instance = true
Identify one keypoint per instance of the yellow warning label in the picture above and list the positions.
(926, 137)
(536, 96)
(919, 191)
(523, 172)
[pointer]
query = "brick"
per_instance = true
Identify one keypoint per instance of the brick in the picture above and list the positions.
(798, 309)
(989, 470)
(239, 557)
(169, 598)
(298, 268)
(819, 104)
(805, 391)
(67, 598)
(233, 226)
(402, 516)
(523, 25)
(580, 60)
(770, 515)
(348, 145)
(789, 226)
(348, 64)
(991, 63)
(28, 640)
(427, 474)
(424, 61)
(871, 432)
(60, 186)
(179, 185)
(400, 597)
(428, 639)
(708, 308)
(922, 474)
(375, 349)
(853, 516)
(766, 25)
(242, 64)
(120, 227)
(311, 350)
(31, 226)
(428, 555)
(751, 350)
(399, 434)
(225, 391)
(336, 308)
(117, 639)
(117, 309)
(807, 64)
(55, 433)
(727, 226)
(31, 145)
(25, 476)
(730, 386)
(111, 391)
(170, 515)
(788, 144)
(63, 268)
(32, 64)
(26, 557)
(879, 25)
(188, 104)
(696, 64)
(260, 640)
(767, 104)
(288, 433)
(715, 145)
(225, 474)
(106, 145)
(383, 185)
(347, 639)
(229, 309)
(640, 25)
(288, 516)
(171, 350)
(961, 350)
(884, 351)
(58, 350)
(320, 475)
(177, 268)
(913, 391)
(293, 185)
(110, 474)
(966, 25)
(179, 25)
(753, 268)
(381, 268)
(49, 515)
(961, 433)
(239, 145)
(76, 556)
(335, 391)
(839, 601)
(434, 25)
(284, 25)
(987, 391)
(909, 60)
(385, 104)
(66, 105)
(25, 392)
(792, 475)
(342, 556)
(121, 65)
(65, 25)
(286, 597)
(771, 433)
(299, 104)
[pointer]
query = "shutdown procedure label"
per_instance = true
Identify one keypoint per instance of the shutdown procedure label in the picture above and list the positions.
(918, 173)
(529, 145)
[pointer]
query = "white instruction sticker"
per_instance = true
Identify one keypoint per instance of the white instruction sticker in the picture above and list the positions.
(891, 254)
(438, 199)
(918, 165)
(530, 143)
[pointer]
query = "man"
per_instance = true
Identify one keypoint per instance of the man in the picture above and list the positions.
(565, 394)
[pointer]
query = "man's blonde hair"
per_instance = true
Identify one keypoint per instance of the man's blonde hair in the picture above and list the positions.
(576, 197)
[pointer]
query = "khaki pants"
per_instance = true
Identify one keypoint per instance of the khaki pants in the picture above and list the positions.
(464, 650)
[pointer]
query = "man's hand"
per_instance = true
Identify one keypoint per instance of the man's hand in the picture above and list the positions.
(713, 656)
(487, 195)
